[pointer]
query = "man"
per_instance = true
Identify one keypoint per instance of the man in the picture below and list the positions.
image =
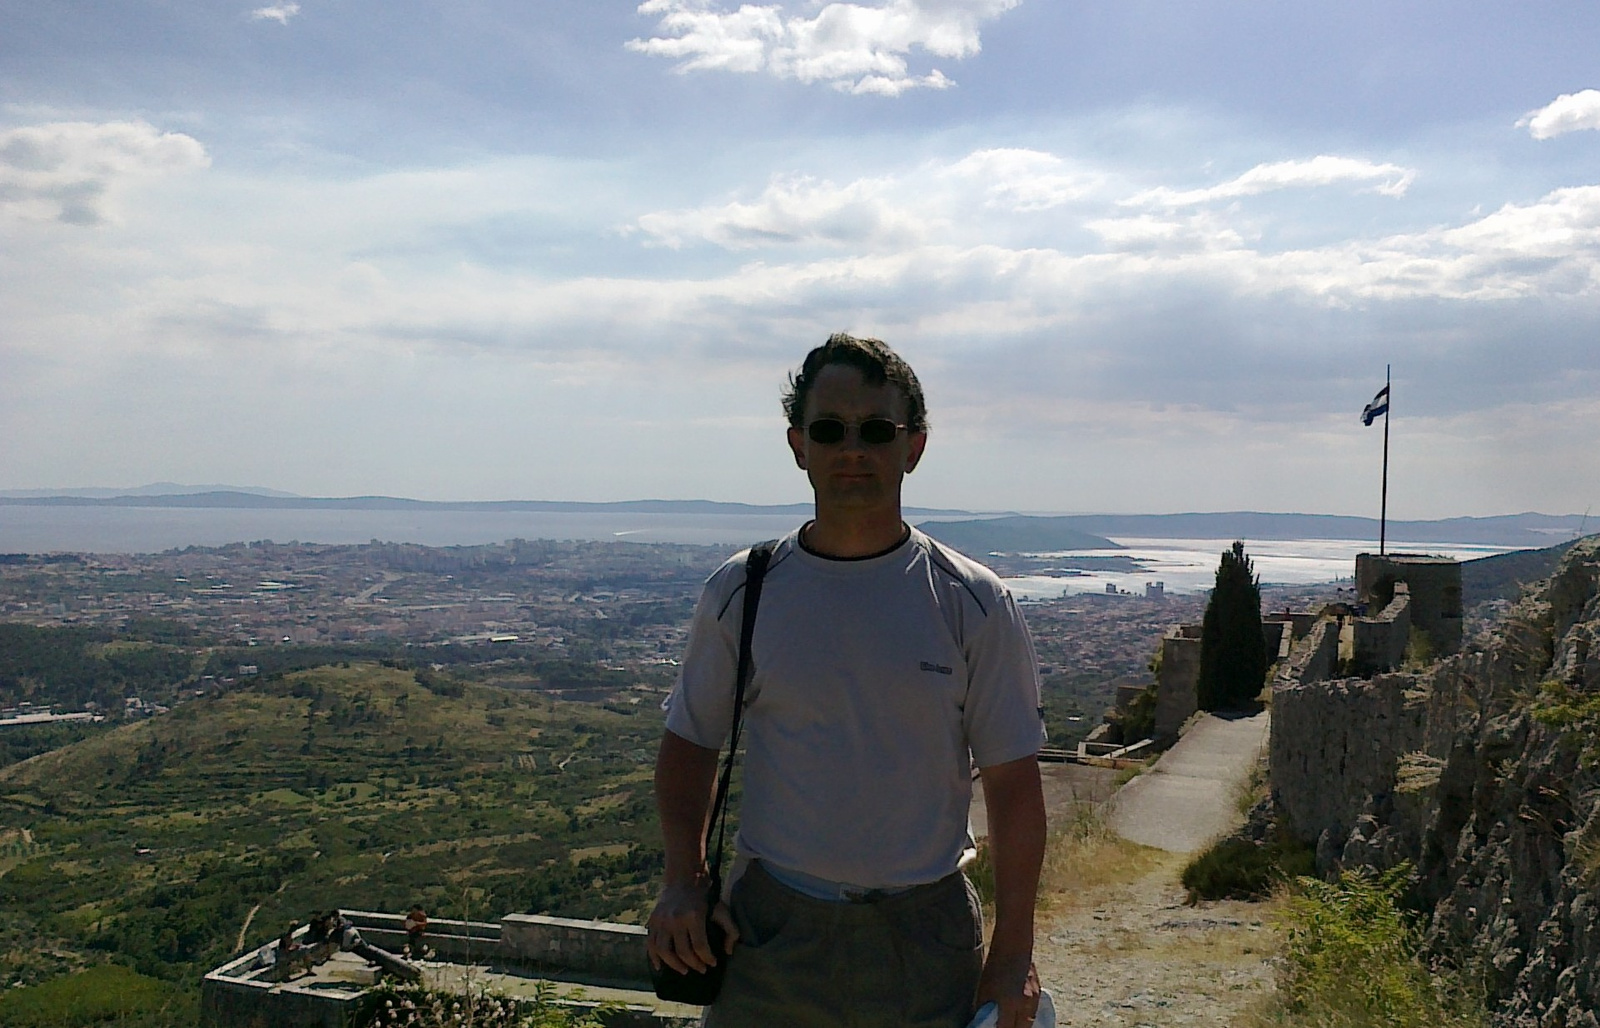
(416, 926)
(884, 665)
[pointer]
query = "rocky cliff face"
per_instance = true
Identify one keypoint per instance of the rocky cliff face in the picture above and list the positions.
(1484, 772)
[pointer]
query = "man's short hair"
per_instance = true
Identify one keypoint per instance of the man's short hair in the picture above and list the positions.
(877, 363)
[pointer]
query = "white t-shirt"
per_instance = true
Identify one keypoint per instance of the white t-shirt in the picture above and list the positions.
(876, 683)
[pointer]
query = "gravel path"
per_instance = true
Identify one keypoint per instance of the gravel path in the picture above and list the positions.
(1133, 955)
(1130, 953)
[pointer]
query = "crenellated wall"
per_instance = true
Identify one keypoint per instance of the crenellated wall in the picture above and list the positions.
(1313, 658)
(1379, 643)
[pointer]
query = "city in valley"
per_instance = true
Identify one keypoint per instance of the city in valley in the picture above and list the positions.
(597, 621)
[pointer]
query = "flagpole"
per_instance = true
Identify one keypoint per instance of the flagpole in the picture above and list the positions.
(1383, 510)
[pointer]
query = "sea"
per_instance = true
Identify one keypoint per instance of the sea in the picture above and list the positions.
(1183, 566)
(1186, 566)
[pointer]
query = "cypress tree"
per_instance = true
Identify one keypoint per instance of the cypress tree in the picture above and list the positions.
(1233, 655)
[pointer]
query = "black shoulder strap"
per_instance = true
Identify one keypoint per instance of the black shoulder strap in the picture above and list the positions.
(755, 571)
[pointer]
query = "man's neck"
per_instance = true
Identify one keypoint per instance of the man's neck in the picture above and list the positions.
(848, 534)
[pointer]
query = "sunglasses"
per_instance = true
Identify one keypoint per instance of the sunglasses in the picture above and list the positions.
(871, 432)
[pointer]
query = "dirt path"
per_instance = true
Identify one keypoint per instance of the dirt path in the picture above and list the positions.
(1119, 948)
(1130, 954)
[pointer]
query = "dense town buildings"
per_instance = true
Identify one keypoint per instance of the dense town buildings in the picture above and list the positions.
(611, 615)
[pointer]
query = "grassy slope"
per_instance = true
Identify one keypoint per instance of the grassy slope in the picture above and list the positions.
(1502, 576)
(107, 994)
(353, 787)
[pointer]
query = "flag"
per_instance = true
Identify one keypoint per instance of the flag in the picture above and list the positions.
(1377, 408)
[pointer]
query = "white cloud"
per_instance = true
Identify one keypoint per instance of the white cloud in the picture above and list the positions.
(1012, 276)
(68, 171)
(1024, 180)
(1149, 233)
(858, 48)
(1323, 170)
(896, 210)
(790, 210)
(280, 13)
(1569, 112)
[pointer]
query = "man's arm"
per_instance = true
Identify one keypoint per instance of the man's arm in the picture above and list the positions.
(685, 774)
(1015, 803)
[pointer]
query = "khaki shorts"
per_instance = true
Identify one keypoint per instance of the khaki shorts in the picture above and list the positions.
(910, 960)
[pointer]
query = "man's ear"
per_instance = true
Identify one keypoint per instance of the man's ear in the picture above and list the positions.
(919, 441)
(797, 443)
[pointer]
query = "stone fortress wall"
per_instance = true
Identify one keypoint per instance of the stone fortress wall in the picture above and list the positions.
(1479, 769)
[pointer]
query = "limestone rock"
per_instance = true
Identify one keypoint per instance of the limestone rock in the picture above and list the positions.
(1486, 780)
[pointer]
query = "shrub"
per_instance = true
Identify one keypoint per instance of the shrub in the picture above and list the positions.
(1233, 653)
(1240, 869)
(1138, 721)
(420, 1007)
(1351, 959)
(1419, 650)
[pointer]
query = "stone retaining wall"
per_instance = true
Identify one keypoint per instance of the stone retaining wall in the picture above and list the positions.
(464, 941)
(606, 953)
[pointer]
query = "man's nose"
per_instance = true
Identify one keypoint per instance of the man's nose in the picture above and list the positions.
(852, 439)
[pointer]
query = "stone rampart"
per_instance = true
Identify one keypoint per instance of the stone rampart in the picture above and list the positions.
(1273, 637)
(1483, 772)
(1379, 643)
(1313, 658)
(1435, 584)
(1177, 697)
(1335, 745)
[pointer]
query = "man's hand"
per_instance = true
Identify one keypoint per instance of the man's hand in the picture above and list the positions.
(677, 928)
(1015, 800)
(1011, 982)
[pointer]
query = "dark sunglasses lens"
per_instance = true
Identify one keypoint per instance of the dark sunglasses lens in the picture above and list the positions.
(878, 431)
(826, 431)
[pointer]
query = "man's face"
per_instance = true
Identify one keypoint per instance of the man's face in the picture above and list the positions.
(850, 474)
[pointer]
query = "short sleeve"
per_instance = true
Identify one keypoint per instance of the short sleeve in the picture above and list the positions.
(700, 706)
(1004, 715)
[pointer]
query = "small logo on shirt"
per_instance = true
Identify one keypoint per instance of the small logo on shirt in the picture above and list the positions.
(939, 668)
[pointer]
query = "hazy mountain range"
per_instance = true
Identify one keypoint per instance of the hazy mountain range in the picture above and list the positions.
(981, 532)
(153, 489)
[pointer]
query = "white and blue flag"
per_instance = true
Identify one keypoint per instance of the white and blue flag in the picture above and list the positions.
(1377, 408)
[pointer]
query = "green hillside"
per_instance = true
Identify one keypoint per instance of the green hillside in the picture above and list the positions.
(1502, 576)
(158, 842)
(1015, 534)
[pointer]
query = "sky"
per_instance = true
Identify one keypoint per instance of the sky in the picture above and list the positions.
(1144, 256)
